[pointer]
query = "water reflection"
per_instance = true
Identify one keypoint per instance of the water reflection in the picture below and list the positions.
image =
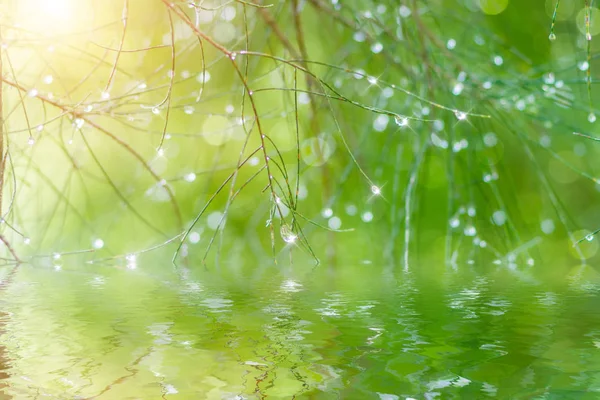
(105, 333)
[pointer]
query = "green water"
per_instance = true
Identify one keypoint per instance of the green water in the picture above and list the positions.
(281, 332)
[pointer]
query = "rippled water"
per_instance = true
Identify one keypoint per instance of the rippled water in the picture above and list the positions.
(357, 332)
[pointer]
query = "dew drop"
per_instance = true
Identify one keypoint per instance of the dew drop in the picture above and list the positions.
(351, 209)
(499, 217)
(131, 261)
(404, 11)
(367, 216)
(214, 219)
(376, 190)
(401, 121)
(191, 177)
(359, 37)
(589, 237)
(48, 79)
(588, 36)
(583, 66)
(194, 237)
(32, 93)
(98, 244)
(26, 240)
(454, 222)
(287, 234)
(457, 89)
(376, 48)
(334, 223)
(470, 231)
(552, 36)
(327, 213)
(592, 118)
(31, 141)
(105, 95)
(460, 115)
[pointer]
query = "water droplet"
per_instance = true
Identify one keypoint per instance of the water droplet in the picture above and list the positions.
(454, 222)
(26, 240)
(372, 80)
(334, 223)
(194, 237)
(367, 216)
(376, 48)
(229, 109)
(490, 139)
(188, 110)
(327, 213)
(233, 56)
(592, 117)
(451, 44)
(359, 37)
(547, 226)
(589, 237)
(98, 244)
(105, 95)
(131, 261)
(460, 115)
(401, 121)
(79, 122)
(48, 79)
(470, 230)
(381, 122)
(214, 219)
(31, 141)
(583, 65)
(498, 60)
(376, 190)
(588, 36)
(191, 177)
(499, 217)
(404, 11)
(155, 110)
(287, 234)
(56, 256)
(457, 89)
(351, 209)
(32, 93)
(552, 36)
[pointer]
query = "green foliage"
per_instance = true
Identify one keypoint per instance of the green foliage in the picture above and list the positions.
(438, 130)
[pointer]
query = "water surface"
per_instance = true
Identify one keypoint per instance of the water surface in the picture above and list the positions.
(281, 332)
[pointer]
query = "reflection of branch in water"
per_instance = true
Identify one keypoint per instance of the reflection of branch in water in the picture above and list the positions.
(132, 372)
(3, 353)
(3, 361)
